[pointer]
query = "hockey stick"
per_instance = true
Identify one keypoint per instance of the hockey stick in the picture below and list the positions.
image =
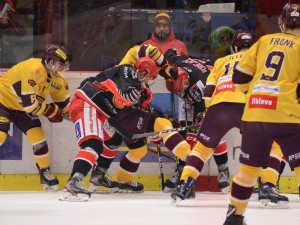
(4, 10)
(162, 153)
(173, 114)
(161, 168)
(114, 123)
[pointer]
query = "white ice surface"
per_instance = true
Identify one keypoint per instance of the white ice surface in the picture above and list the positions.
(148, 208)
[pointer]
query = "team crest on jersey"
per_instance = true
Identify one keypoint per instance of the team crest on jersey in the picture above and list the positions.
(263, 101)
(32, 83)
(226, 86)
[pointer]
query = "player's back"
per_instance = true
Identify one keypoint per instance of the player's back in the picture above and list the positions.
(221, 78)
(272, 92)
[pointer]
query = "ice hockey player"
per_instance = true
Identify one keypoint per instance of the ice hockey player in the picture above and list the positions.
(23, 90)
(225, 108)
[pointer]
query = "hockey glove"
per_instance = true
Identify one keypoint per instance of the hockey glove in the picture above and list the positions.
(156, 139)
(53, 113)
(147, 97)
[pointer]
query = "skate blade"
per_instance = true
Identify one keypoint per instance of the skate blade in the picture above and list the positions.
(254, 197)
(225, 190)
(50, 188)
(169, 190)
(266, 203)
(129, 191)
(96, 190)
(175, 202)
(67, 196)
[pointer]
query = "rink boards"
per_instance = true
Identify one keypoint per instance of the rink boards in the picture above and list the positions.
(18, 170)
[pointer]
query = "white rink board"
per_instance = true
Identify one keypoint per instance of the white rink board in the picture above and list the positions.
(63, 146)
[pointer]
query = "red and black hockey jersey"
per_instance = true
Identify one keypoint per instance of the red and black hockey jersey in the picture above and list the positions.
(111, 90)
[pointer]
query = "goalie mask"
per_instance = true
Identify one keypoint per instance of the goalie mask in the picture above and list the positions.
(61, 56)
(241, 39)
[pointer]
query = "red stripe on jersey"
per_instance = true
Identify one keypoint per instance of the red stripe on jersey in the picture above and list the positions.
(263, 101)
(88, 156)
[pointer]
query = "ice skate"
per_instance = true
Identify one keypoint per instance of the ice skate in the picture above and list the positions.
(101, 179)
(185, 190)
(232, 219)
(49, 182)
(268, 197)
(224, 180)
(130, 186)
(172, 183)
(75, 190)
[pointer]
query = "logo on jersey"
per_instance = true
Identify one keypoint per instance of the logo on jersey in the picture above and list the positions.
(244, 155)
(263, 101)
(266, 88)
(32, 83)
(4, 119)
(226, 86)
(78, 130)
(140, 123)
(204, 137)
(294, 157)
(56, 86)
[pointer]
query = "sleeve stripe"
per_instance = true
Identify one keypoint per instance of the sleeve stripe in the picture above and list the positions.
(243, 70)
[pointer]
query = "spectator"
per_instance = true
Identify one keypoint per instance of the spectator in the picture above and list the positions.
(10, 24)
(163, 37)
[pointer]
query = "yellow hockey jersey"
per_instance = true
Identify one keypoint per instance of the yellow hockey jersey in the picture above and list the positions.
(220, 82)
(273, 62)
(26, 85)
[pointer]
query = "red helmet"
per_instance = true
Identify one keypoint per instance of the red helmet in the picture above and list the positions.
(59, 54)
(183, 78)
(241, 39)
(290, 16)
(147, 64)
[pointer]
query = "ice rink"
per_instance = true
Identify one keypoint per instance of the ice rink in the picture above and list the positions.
(148, 208)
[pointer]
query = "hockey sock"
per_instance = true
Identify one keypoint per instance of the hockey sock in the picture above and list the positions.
(84, 161)
(37, 138)
(130, 164)
(242, 187)
(297, 173)
(271, 173)
(196, 161)
(220, 154)
(41, 154)
(173, 141)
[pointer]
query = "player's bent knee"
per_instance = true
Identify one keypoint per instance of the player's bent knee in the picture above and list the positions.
(94, 144)
(162, 124)
(36, 135)
(138, 153)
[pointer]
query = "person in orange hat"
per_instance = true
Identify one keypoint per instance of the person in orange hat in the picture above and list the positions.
(163, 37)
